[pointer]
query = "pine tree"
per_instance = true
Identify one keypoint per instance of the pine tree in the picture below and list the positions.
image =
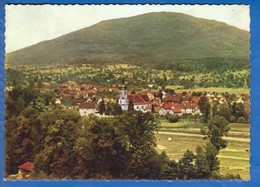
(131, 106)
(102, 107)
(153, 109)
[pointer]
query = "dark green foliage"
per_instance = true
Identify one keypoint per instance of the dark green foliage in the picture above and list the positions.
(102, 107)
(131, 106)
(173, 118)
(153, 109)
(117, 109)
(241, 120)
(139, 128)
(224, 111)
(207, 113)
(203, 104)
(201, 164)
(238, 111)
(187, 168)
(205, 108)
(217, 128)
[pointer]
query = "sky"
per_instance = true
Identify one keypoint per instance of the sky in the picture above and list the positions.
(30, 24)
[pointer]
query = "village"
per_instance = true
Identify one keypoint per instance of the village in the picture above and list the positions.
(87, 99)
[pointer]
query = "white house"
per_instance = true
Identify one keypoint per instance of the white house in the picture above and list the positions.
(87, 108)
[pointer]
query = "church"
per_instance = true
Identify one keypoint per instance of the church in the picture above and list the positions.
(123, 100)
(140, 101)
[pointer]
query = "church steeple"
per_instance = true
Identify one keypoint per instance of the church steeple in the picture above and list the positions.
(123, 101)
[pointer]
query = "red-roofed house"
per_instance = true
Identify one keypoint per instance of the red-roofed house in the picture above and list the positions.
(166, 108)
(87, 108)
(140, 101)
(195, 99)
(25, 169)
(176, 110)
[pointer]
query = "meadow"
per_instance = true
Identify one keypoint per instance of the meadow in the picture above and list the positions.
(235, 158)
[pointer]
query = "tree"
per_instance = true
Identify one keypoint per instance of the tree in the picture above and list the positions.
(186, 166)
(224, 111)
(21, 144)
(214, 109)
(57, 158)
(57, 133)
(205, 108)
(211, 153)
(201, 164)
(238, 110)
(103, 154)
(102, 107)
(117, 109)
(169, 168)
(153, 109)
(138, 129)
(217, 128)
(203, 104)
(131, 106)
(207, 113)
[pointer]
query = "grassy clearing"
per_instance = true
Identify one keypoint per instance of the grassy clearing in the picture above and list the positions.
(212, 89)
(240, 127)
(180, 124)
(234, 159)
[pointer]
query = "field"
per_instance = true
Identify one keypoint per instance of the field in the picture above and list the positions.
(213, 89)
(233, 159)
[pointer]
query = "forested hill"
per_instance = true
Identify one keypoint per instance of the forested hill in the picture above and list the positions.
(149, 39)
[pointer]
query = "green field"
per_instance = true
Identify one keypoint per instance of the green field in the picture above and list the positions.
(212, 89)
(234, 159)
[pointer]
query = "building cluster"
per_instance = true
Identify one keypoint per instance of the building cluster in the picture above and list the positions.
(88, 98)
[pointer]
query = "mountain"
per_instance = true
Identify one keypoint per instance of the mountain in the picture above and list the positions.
(152, 38)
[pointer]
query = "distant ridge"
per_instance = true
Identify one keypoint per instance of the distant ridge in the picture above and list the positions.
(152, 38)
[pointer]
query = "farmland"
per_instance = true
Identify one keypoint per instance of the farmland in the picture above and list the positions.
(233, 159)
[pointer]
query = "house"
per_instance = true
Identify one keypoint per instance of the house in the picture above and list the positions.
(140, 101)
(187, 97)
(195, 99)
(156, 108)
(25, 169)
(57, 101)
(176, 110)
(87, 108)
(172, 98)
(188, 108)
(240, 100)
(166, 108)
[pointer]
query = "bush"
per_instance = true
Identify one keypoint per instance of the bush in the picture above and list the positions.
(241, 120)
(232, 119)
(173, 118)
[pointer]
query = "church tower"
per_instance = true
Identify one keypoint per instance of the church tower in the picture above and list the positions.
(123, 101)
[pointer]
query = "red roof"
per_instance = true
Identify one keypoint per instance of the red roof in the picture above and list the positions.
(176, 110)
(139, 99)
(172, 98)
(195, 99)
(188, 105)
(87, 105)
(167, 105)
(28, 166)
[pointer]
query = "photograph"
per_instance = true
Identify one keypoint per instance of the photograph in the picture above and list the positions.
(127, 92)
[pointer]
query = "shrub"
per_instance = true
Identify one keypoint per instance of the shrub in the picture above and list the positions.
(173, 118)
(241, 120)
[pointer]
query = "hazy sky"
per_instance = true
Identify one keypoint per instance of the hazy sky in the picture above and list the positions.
(29, 24)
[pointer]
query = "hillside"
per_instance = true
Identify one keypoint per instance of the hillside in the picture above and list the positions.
(153, 38)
